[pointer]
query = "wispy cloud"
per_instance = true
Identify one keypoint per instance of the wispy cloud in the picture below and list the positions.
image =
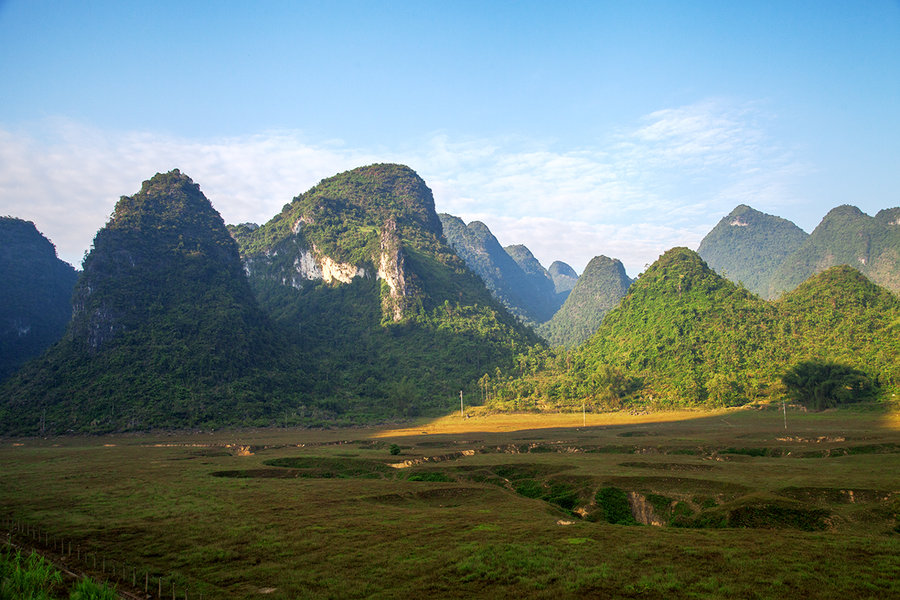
(67, 177)
(662, 182)
(665, 181)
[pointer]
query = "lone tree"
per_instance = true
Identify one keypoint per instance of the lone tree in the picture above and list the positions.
(818, 385)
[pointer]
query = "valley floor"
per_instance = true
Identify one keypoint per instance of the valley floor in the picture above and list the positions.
(728, 504)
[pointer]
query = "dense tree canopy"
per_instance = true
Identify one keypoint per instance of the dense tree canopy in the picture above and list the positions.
(684, 336)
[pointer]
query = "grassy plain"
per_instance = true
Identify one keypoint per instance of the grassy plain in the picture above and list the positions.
(490, 506)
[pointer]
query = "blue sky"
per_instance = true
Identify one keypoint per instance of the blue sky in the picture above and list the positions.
(578, 129)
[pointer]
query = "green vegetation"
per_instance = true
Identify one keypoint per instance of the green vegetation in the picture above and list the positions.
(808, 521)
(350, 307)
(29, 577)
(820, 385)
(87, 589)
(748, 247)
(612, 504)
(166, 331)
(600, 288)
(32, 577)
(169, 332)
(846, 236)
(35, 298)
(684, 336)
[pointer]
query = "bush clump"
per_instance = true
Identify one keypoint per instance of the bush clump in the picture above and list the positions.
(614, 507)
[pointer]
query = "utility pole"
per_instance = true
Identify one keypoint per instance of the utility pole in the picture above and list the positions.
(583, 415)
(460, 404)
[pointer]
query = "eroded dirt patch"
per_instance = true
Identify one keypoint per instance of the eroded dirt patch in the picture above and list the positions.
(836, 495)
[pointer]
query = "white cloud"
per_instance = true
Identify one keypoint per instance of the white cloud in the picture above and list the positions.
(68, 177)
(663, 182)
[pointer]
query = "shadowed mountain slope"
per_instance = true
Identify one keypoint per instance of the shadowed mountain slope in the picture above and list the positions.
(35, 297)
(524, 291)
(165, 330)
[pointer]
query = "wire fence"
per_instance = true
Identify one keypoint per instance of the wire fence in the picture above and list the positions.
(132, 582)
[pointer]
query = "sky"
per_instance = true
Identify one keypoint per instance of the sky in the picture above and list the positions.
(575, 128)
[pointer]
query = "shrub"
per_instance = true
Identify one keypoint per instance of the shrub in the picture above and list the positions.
(435, 476)
(86, 589)
(26, 577)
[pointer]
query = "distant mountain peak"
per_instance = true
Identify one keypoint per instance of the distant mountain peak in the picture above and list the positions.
(564, 277)
(846, 235)
(844, 210)
(600, 288)
(748, 246)
(512, 274)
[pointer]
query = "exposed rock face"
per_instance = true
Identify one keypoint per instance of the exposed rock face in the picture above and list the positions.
(307, 268)
(391, 270)
(341, 272)
(642, 511)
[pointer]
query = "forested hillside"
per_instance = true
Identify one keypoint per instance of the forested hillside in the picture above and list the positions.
(35, 297)
(599, 289)
(846, 236)
(684, 336)
(165, 331)
(748, 246)
(350, 306)
(389, 319)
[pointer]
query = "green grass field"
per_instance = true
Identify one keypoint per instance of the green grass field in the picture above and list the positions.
(492, 507)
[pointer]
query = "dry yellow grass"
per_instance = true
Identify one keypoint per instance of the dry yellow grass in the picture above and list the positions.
(504, 422)
(892, 420)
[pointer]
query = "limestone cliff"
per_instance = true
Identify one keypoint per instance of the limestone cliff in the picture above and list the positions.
(394, 300)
